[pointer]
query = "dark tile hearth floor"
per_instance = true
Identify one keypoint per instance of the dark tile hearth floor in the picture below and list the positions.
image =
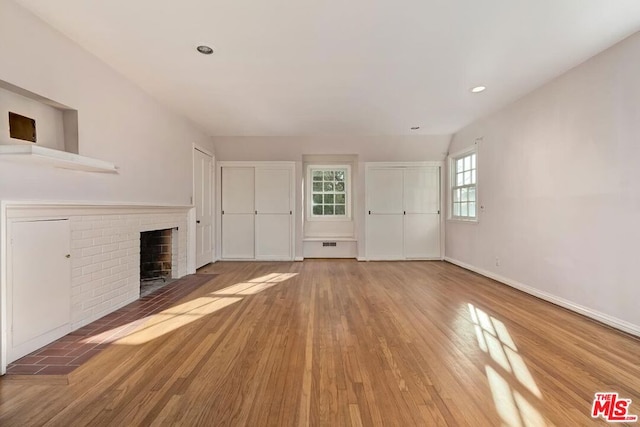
(64, 355)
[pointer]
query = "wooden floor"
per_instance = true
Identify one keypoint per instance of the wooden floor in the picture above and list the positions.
(344, 343)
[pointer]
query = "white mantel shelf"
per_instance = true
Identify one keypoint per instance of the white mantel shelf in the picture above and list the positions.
(55, 158)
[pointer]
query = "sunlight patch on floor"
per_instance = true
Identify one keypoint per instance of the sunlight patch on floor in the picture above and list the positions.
(173, 318)
(507, 365)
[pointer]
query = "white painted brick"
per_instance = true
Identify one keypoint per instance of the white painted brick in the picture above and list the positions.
(101, 240)
(81, 243)
(91, 233)
(100, 258)
(101, 274)
(90, 252)
(110, 263)
(111, 247)
(90, 268)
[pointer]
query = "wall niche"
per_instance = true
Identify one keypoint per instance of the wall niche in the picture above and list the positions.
(56, 125)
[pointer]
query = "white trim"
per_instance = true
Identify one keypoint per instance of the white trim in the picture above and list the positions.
(202, 149)
(614, 322)
(329, 239)
(403, 164)
(361, 259)
(298, 258)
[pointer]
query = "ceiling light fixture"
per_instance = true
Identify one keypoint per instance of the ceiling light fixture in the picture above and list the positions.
(205, 50)
(478, 89)
(415, 127)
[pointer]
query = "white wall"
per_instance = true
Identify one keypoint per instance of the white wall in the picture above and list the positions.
(367, 148)
(118, 122)
(559, 177)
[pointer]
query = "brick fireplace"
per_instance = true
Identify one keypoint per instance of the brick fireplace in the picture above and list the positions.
(156, 254)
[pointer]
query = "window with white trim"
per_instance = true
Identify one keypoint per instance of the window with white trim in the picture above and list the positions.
(328, 192)
(463, 187)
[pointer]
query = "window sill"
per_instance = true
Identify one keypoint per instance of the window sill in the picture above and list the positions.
(466, 221)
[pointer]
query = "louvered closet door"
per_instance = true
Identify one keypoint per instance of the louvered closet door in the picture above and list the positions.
(385, 229)
(238, 212)
(422, 207)
(273, 213)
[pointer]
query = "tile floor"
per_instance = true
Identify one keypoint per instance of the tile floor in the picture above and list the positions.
(64, 355)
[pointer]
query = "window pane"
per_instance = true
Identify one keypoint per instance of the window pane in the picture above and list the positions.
(328, 198)
(339, 186)
(459, 179)
(467, 163)
(459, 165)
(317, 186)
(456, 209)
(463, 209)
(467, 178)
(328, 186)
(456, 195)
(473, 176)
(472, 209)
(473, 161)
(317, 199)
(317, 175)
(463, 195)
(329, 175)
(340, 210)
(340, 198)
(339, 175)
(317, 210)
(472, 194)
(328, 209)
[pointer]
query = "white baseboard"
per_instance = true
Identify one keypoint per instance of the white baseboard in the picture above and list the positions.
(614, 322)
(361, 258)
(298, 258)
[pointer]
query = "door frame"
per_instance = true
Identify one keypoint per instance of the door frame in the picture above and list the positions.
(292, 194)
(192, 248)
(404, 165)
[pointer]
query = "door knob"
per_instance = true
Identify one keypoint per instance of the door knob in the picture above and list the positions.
(197, 221)
(67, 256)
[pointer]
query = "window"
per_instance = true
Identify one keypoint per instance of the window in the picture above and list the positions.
(463, 186)
(328, 192)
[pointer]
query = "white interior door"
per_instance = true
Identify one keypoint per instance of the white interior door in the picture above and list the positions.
(238, 212)
(385, 214)
(273, 213)
(39, 291)
(203, 201)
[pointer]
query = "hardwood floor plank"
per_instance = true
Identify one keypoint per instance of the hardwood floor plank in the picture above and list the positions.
(338, 342)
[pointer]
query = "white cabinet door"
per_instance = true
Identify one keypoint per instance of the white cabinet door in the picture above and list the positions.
(273, 213)
(238, 190)
(422, 190)
(238, 228)
(202, 183)
(384, 191)
(39, 291)
(422, 236)
(385, 237)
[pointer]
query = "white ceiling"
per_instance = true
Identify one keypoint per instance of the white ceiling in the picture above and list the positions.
(300, 67)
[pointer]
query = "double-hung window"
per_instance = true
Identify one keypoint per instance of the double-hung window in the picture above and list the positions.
(464, 198)
(329, 192)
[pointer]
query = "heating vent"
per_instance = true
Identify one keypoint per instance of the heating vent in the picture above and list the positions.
(324, 244)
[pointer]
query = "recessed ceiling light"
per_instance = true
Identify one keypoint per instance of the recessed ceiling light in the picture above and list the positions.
(205, 50)
(415, 127)
(478, 89)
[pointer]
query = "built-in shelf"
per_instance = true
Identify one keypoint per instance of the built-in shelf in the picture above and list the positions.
(55, 158)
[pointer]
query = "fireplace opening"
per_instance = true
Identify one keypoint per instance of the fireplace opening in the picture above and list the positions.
(156, 259)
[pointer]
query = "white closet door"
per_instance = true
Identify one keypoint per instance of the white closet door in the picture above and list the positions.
(384, 191)
(422, 219)
(385, 212)
(39, 285)
(385, 237)
(238, 213)
(422, 236)
(273, 213)
(422, 190)
(203, 201)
